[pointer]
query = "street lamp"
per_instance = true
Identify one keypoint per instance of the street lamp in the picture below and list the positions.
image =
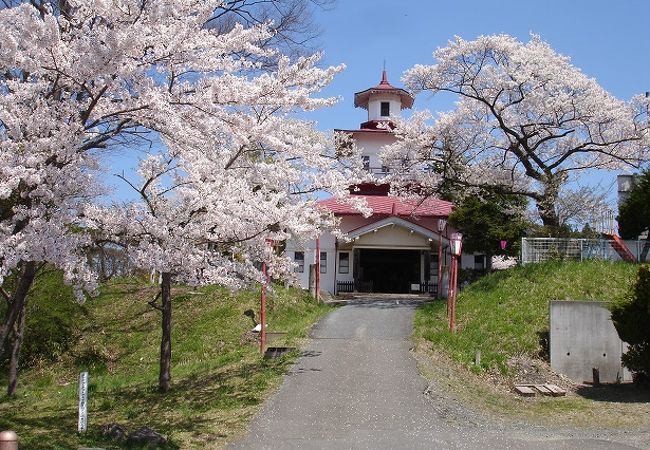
(456, 247)
(442, 223)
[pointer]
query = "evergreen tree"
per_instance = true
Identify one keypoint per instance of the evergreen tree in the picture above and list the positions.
(487, 220)
(634, 213)
(631, 318)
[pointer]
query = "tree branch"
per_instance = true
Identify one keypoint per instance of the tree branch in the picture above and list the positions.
(5, 295)
(153, 304)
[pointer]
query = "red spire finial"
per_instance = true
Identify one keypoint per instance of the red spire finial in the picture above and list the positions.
(384, 76)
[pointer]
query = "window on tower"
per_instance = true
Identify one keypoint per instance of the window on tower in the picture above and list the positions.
(385, 109)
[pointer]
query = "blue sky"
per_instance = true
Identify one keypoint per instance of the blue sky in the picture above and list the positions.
(607, 40)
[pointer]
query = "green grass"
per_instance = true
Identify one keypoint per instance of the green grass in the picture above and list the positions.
(505, 314)
(219, 378)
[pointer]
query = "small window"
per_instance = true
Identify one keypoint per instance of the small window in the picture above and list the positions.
(323, 262)
(385, 109)
(433, 268)
(299, 259)
(479, 262)
(366, 162)
(344, 263)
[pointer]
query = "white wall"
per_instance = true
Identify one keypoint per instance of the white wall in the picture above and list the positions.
(374, 105)
(349, 223)
(327, 244)
(371, 143)
(393, 237)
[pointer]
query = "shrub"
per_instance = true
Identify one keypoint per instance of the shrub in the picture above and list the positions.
(631, 318)
(53, 320)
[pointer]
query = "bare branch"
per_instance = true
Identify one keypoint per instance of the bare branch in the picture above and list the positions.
(5, 295)
(153, 303)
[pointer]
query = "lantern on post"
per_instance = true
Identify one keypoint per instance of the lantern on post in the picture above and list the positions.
(442, 223)
(456, 246)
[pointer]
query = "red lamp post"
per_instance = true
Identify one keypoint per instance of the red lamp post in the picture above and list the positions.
(456, 246)
(263, 303)
(442, 223)
(317, 269)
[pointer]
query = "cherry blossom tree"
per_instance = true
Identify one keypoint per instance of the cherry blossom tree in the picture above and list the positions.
(78, 78)
(206, 213)
(526, 122)
(167, 233)
(295, 32)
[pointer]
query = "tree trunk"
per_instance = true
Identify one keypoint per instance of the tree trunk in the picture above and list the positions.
(102, 264)
(164, 380)
(549, 218)
(17, 342)
(17, 303)
(547, 203)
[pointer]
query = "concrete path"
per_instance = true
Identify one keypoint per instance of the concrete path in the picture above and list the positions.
(357, 387)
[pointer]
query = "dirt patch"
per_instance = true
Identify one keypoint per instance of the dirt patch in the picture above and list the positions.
(526, 370)
(488, 398)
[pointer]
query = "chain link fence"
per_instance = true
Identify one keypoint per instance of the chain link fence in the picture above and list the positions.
(543, 249)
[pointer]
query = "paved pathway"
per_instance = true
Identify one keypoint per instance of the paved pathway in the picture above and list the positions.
(357, 387)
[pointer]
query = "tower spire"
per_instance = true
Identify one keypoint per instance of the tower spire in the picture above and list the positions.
(384, 75)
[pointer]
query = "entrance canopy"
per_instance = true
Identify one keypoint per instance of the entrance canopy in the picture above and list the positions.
(394, 232)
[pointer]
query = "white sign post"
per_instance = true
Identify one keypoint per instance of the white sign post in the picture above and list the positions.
(83, 402)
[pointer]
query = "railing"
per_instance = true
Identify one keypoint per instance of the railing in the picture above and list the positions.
(377, 170)
(544, 249)
(351, 286)
(428, 287)
(344, 286)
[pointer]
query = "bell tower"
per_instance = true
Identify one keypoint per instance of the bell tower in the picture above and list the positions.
(381, 102)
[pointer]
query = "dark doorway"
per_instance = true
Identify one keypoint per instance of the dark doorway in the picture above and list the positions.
(389, 270)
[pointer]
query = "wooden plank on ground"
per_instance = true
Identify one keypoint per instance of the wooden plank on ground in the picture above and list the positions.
(556, 391)
(524, 391)
(543, 390)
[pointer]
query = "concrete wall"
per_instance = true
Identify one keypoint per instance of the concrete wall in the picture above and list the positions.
(582, 337)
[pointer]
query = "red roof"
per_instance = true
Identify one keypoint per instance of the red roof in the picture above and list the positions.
(392, 206)
(361, 98)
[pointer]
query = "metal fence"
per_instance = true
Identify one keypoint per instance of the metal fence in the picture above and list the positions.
(544, 249)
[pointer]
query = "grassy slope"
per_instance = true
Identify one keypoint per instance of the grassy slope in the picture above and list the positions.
(503, 315)
(506, 313)
(219, 378)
